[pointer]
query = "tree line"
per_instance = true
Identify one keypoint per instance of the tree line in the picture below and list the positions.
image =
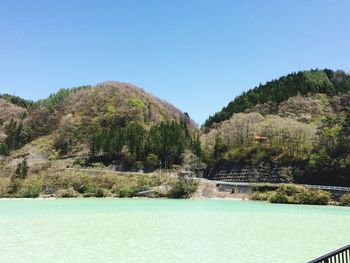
(40, 118)
(16, 137)
(162, 145)
(301, 83)
(330, 159)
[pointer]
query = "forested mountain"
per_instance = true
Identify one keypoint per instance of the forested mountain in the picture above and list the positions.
(15, 100)
(8, 111)
(300, 120)
(70, 143)
(109, 121)
(276, 91)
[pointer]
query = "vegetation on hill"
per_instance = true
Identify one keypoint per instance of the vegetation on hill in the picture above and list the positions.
(320, 151)
(330, 158)
(73, 115)
(113, 124)
(160, 146)
(301, 120)
(68, 184)
(18, 101)
(276, 91)
(8, 111)
(291, 194)
(56, 99)
(251, 137)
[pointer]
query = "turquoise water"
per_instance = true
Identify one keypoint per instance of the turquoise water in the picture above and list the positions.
(140, 231)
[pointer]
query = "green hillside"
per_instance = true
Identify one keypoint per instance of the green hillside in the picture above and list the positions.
(77, 119)
(300, 120)
(276, 91)
(70, 143)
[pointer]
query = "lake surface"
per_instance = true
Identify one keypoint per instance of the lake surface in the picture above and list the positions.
(140, 231)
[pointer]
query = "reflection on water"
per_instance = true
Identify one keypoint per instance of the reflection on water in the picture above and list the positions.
(120, 230)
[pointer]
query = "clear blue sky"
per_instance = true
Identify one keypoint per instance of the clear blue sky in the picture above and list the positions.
(198, 55)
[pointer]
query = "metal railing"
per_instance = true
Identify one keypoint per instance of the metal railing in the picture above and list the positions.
(310, 186)
(341, 255)
(327, 187)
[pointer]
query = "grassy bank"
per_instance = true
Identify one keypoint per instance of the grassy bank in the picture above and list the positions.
(85, 184)
(294, 194)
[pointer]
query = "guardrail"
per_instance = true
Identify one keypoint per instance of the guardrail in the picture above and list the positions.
(327, 187)
(106, 171)
(310, 186)
(341, 255)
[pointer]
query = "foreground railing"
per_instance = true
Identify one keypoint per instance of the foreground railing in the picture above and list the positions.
(341, 255)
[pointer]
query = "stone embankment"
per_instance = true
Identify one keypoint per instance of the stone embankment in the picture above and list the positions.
(255, 173)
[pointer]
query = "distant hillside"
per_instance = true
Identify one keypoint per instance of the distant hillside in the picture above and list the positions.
(111, 122)
(91, 107)
(129, 101)
(301, 120)
(17, 100)
(276, 91)
(68, 144)
(8, 111)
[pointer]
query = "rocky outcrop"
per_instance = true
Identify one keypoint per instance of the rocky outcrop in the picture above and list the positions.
(212, 190)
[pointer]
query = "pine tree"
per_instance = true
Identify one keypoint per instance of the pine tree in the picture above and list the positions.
(219, 147)
(22, 170)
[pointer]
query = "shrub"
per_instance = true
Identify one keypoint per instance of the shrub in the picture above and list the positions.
(263, 196)
(292, 194)
(4, 150)
(14, 187)
(127, 192)
(152, 161)
(313, 197)
(265, 187)
(65, 193)
(280, 197)
(32, 187)
(79, 182)
(135, 102)
(183, 188)
(345, 200)
(4, 187)
(54, 154)
(138, 165)
(95, 191)
(105, 181)
(22, 170)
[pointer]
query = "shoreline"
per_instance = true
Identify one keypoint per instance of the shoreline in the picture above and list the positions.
(204, 190)
(160, 198)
